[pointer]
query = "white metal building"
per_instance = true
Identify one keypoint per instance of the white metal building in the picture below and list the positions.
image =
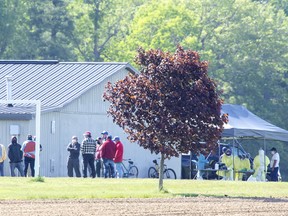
(71, 103)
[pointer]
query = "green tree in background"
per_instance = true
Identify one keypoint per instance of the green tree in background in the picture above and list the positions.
(245, 43)
(9, 15)
(49, 30)
(97, 23)
(277, 4)
(42, 31)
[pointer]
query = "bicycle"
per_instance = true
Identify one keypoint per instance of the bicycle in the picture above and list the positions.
(131, 171)
(168, 173)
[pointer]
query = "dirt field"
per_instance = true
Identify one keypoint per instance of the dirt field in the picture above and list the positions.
(207, 206)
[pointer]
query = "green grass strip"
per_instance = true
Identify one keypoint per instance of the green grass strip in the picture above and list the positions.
(79, 188)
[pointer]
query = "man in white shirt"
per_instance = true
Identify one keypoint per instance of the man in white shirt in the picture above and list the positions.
(274, 164)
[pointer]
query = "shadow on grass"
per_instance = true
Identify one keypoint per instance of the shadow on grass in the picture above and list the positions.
(38, 179)
(186, 195)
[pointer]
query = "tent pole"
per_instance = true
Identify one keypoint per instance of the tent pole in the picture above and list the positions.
(233, 174)
(265, 165)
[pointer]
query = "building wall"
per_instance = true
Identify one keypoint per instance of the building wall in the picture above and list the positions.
(86, 113)
(6, 132)
(89, 113)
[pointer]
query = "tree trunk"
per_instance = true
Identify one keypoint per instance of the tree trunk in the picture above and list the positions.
(161, 170)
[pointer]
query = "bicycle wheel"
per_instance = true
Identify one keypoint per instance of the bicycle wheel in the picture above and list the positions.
(152, 173)
(169, 174)
(133, 172)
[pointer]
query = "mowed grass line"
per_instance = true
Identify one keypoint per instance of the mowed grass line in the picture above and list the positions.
(74, 188)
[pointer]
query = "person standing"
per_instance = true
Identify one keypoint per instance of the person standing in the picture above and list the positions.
(260, 163)
(28, 148)
(88, 150)
(274, 164)
(15, 156)
(107, 154)
(98, 157)
(104, 136)
(73, 158)
(201, 162)
(2, 159)
(118, 156)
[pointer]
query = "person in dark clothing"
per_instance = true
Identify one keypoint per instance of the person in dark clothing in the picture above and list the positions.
(73, 158)
(15, 156)
(107, 154)
(88, 150)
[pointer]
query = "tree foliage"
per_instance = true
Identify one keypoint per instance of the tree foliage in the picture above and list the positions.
(10, 11)
(170, 106)
(97, 23)
(244, 42)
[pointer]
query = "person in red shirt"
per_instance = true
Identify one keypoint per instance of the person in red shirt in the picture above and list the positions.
(107, 154)
(118, 157)
(99, 164)
(28, 148)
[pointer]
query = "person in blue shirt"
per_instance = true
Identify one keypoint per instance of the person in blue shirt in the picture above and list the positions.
(200, 164)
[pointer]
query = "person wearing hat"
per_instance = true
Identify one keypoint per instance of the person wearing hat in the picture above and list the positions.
(73, 158)
(104, 136)
(88, 150)
(274, 164)
(107, 154)
(28, 148)
(118, 156)
(15, 155)
(2, 159)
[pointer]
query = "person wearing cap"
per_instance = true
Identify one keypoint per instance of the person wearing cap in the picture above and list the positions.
(73, 158)
(2, 159)
(104, 136)
(28, 148)
(274, 164)
(15, 155)
(107, 154)
(88, 150)
(118, 158)
(98, 157)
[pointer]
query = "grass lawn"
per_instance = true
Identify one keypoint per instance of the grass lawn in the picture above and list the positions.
(73, 188)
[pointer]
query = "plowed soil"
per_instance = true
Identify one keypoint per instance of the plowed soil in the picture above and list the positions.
(207, 206)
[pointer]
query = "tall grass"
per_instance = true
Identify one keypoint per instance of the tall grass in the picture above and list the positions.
(77, 188)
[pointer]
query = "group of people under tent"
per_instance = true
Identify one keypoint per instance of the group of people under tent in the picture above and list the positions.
(239, 167)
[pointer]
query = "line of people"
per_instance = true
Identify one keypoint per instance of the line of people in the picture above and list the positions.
(105, 151)
(16, 154)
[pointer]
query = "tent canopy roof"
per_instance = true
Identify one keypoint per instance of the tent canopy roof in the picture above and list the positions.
(243, 123)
